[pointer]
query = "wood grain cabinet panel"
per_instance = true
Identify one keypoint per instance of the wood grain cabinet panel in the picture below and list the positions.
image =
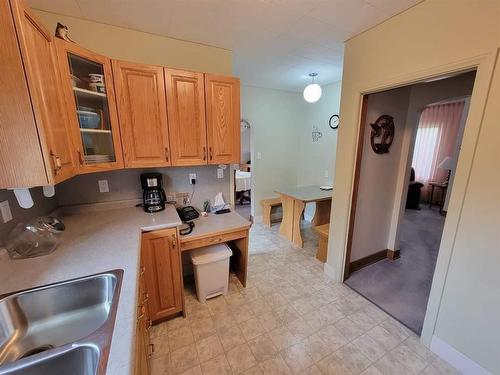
(40, 61)
(142, 113)
(186, 117)
(38, 148)
(223, 119)
(162, 270)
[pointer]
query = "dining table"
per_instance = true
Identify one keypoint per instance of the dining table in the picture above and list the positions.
(294, 200)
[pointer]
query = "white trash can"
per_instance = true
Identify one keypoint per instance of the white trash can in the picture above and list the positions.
(211, 270)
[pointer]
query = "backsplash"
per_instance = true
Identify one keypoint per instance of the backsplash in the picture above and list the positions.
(125, 185)
(42, 206)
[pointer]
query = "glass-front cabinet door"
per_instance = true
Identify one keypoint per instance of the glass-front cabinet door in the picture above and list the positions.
(89, 95)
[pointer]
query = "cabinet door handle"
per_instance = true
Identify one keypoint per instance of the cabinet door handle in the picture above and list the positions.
(174, 241)
(152, 348)
(143, 270)
(80, 157)
(204, 153)
(57, 162)
(167, 153)
(210, 151)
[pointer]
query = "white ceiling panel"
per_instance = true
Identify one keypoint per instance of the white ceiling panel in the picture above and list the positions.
(276, 43)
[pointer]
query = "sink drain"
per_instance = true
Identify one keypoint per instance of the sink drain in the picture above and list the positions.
(38, 349)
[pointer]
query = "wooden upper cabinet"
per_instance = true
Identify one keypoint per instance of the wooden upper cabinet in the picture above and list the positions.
(21, 159)
(39, 56)
(142, 113)
(186, 117)
(87, 83)
(223, 119)
(162, 272)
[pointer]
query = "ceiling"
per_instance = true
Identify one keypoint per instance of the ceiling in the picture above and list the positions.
(275, 43)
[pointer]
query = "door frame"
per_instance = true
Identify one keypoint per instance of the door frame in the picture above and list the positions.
(484, 65)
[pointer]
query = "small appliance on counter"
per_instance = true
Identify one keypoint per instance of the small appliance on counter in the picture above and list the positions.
(153, 195)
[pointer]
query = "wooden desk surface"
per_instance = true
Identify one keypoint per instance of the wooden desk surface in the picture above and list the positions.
(216, 224)
(306, 193)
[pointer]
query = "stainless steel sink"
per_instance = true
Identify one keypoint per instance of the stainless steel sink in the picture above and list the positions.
(66, 325)
(81, 360)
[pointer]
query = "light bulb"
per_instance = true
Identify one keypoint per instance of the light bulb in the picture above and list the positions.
(312, 93)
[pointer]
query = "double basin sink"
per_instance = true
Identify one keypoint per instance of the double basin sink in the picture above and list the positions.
(62, 328)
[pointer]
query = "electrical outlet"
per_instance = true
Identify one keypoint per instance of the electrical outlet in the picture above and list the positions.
(192, 178)
(5, 210)
(220, 173)
(103, 186)
(259, 155)
(326, 173)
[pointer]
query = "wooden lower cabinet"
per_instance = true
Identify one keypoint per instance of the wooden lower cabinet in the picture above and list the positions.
(143, 347)
(161, 258)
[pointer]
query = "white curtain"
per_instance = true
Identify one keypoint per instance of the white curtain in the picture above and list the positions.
(436, 138)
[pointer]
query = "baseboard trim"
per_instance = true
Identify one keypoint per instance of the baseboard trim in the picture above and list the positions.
(366, 261)
(393, 254)
(373, 258)
(456, 359)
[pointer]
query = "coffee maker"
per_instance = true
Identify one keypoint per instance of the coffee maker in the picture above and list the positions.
(153, 195)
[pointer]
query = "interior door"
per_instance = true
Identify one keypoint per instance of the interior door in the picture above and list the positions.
(162, 263)
(39, 57)
(142, 114)
(186, 117)
(223, 119)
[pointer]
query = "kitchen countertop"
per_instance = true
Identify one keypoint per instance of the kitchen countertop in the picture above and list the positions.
(95, 242)
(216, 224)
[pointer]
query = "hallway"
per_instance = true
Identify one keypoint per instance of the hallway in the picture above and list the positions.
(402, 287)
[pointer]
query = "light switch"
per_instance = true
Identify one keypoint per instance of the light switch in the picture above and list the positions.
(5, 210)
(220, 173)
(103, 186)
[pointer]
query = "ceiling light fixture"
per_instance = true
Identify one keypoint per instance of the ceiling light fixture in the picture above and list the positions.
(312, 91)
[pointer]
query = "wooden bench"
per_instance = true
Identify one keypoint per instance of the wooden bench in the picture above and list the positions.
(323, 231)
(267, 206)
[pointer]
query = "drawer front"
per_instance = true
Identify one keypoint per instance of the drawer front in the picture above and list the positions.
(187, 244)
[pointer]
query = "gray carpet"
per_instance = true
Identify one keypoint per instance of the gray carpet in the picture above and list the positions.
(402, 287)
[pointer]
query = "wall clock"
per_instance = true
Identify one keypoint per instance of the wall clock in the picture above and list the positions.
(382, 134)
(334, 122)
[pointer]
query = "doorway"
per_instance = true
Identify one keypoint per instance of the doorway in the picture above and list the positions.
(394, 236)
(243, 173)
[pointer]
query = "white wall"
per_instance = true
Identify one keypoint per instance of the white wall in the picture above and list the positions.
(427, 40)
(315, 162)
(316, 157)
(136, 46)
(276, 118)
(378, 175)
(281, 124)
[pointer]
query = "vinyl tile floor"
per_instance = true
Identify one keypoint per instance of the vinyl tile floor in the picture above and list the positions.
(290, 319)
